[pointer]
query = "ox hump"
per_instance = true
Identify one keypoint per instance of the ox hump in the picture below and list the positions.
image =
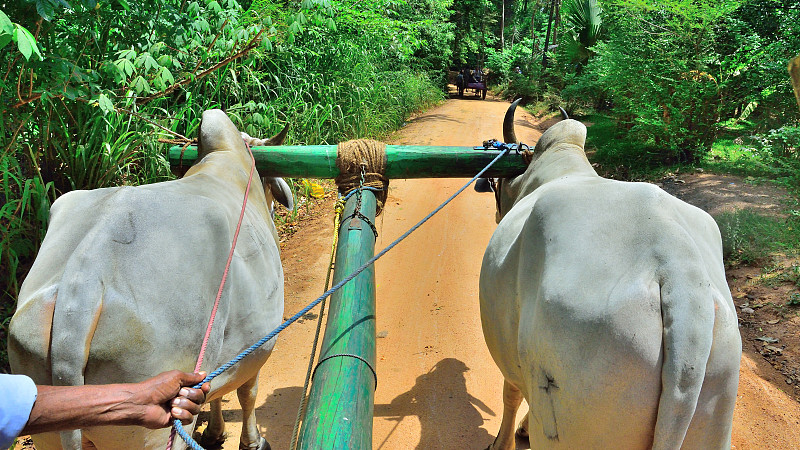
(567, 131)
(217, 132)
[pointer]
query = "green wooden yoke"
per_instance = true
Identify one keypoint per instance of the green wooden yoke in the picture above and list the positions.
(403, 161)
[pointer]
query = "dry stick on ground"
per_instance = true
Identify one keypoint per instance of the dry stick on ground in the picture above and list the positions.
(250, 46)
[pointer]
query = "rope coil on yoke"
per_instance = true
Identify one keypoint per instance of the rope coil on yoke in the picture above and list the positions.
(369, 155)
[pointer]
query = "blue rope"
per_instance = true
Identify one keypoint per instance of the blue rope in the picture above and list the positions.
(177, 423)
(185, 436)
(363, 188)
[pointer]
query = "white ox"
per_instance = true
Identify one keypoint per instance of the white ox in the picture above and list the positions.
(123, 285)
(605, 306)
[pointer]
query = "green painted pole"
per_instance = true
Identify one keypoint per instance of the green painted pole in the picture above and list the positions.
(403, 161)
(340, 404)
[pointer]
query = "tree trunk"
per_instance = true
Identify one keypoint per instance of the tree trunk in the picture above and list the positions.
(535, 46)
(513, 34)
(547, 36)
(503, 25)
(557, 20)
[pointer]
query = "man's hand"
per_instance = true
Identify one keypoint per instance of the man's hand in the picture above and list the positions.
(153, 403)
(168, 396)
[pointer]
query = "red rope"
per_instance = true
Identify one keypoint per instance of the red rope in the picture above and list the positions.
(224, 278)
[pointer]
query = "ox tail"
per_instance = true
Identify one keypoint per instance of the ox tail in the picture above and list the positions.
(687, 312)
(75, 317)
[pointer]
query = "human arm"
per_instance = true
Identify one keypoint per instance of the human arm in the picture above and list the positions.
(152, 403)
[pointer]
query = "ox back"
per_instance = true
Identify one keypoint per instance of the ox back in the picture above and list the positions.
(605, 306)
(124, 283)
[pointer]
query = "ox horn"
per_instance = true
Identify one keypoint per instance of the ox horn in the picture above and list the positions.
(508, 123)
(564, 114)
(278, 138)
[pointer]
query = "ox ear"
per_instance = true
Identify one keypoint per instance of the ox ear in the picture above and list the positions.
(483, 185)
(280, 191)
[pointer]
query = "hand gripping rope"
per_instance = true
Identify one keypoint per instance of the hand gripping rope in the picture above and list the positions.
(178, 427)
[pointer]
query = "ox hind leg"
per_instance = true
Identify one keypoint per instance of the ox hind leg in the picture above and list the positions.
(250, 438)
(512, 397)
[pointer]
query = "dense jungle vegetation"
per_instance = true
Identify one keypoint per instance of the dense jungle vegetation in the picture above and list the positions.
(88, 87)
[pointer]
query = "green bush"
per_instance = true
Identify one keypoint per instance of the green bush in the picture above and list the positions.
(748, 237)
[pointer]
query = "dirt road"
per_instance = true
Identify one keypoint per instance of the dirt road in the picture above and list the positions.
(438, 386)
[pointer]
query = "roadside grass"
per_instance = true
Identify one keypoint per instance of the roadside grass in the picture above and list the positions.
(748, 238)
(615, 156)
(754, 239)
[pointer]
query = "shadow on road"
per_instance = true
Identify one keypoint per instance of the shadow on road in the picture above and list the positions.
(446, 411)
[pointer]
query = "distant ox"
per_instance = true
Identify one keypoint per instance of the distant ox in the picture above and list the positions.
(605, 306)
(123, 286)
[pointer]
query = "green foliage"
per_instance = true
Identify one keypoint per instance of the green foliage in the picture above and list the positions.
(755, 42)
(663, 88)
(780, 144)
(669, 73)
(770, 156)
(13, 32)
(584, 17)
(473, 21)
(117, 76)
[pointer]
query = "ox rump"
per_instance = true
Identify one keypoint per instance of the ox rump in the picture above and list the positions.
(605, 305)
(124, 283)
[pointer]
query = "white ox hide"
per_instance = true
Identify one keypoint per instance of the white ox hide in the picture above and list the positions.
(604, 304)
(124, 283)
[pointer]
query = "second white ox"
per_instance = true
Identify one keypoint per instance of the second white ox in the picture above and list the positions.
(123, 285)
(605, 306)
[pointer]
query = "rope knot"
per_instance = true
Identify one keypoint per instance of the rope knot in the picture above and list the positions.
(527, 156)
(180, 170)
(362, 163)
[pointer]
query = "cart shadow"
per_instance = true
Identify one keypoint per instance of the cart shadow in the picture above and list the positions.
(446, 411)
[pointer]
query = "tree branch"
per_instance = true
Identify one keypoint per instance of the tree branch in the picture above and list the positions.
(250, 46)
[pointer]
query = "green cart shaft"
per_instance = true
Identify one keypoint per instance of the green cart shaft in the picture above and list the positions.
(340, 404)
